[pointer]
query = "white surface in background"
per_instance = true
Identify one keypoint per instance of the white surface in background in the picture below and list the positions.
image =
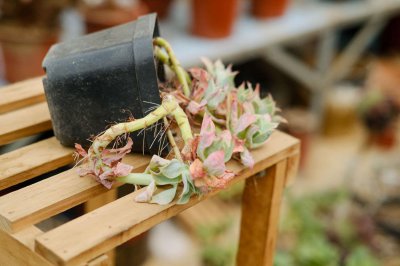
(251, 36)
(170, 244)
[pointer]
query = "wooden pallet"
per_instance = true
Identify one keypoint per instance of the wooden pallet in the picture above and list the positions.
(87, 239)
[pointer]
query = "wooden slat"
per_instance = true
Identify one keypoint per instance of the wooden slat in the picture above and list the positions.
(102, 260)
(27, 236)
(32, 160)
(260, 216)
(93, 204)
(51, 196)
(113, 224)
(24, 122)
(292, 169)
(21, 94)
(13, 252)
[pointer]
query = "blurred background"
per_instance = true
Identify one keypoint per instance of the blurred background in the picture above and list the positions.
(333, 67)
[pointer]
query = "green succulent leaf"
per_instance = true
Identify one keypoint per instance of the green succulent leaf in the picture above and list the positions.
(165, 197)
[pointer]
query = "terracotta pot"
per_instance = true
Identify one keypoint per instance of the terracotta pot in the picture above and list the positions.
(268, 8)
(161, 7)
(213, 19)
(386, 139)
(24, 49)
(105, 17)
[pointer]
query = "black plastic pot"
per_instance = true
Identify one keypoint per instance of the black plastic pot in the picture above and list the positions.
(102, 78)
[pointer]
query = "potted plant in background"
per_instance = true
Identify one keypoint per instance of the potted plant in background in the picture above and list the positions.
(213, 19)
(102, 14)
(27, 30)
(268, 8)
(379, 114)
(161, 7)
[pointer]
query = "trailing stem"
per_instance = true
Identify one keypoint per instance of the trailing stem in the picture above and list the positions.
(169, 106)
(172, 61)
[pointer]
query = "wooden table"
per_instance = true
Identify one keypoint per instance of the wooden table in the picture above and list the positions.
(88, 239)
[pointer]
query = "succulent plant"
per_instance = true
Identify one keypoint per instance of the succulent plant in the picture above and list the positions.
(233, 120)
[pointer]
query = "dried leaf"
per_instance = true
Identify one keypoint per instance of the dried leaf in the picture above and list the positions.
(147, 193)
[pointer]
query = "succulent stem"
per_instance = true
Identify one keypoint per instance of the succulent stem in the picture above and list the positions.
(172, 141)
(169, 106)
(139, 179)
(173, 62)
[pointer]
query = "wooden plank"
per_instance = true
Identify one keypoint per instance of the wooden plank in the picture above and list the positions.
(58, 193)
(100, 200)
(260, 216)
(93, 204)
(292, 169)
(102, 260)
(13, 252)
(24, 122)
(27, 236)
(21, 94)
(51, 196)
(32, 160)
(113, 224)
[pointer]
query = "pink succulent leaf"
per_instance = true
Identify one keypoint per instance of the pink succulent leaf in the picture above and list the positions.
(234, 111)
(221, 109)
(238, 145)
(209, 65)
(248, 107)
(214, 164)
(196, 170)
(207, 135)
(106, 183)
(226, 137)
(257, 91)
(199, 83)
(246, 158)
(195, 108)
(147, 193)
(227, 175)
(107, 174)
(267, 117)
(112, 156)
(221, 182)
(245, 121)
(189, 150)
(215, 95)
(122, 169)
(108, 166)
(83, 171)
(80, 150)
(207, 126)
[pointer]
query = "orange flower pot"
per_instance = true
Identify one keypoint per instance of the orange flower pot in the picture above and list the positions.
(161, 7)
(213, 19)
(23, 50)
(268, 8)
